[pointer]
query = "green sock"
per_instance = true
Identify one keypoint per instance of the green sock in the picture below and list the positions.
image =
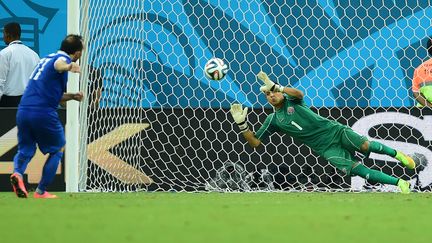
(373, 175)
(380, 148)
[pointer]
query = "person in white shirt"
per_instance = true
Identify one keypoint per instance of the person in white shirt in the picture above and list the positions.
(17, 63)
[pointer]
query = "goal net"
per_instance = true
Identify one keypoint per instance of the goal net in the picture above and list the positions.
(153, 121)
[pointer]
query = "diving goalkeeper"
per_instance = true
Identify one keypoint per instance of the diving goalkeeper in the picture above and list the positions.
(333, 141)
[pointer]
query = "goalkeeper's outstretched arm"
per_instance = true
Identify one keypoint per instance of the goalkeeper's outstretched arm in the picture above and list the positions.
(271, 86)
(239, 114)
(251, 138)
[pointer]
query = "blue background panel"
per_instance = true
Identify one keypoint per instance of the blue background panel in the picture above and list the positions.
(151, 53)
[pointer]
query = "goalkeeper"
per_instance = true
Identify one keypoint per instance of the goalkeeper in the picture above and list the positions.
(333, 141)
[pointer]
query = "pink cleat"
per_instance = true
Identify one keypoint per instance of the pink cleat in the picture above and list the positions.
(44, 195)
(18, 185)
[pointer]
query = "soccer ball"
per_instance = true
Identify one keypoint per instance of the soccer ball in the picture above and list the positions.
(215, 69)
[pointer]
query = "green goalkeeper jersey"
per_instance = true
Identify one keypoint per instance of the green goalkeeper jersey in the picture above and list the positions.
(298, 121)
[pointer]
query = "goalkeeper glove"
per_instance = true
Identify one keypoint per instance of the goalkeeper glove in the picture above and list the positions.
(268, 84)
(239, 115)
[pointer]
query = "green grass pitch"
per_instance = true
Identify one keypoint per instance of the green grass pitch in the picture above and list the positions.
(218, 217)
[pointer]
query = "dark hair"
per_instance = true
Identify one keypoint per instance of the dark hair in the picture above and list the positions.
(13, 29)
(72, 44)
(429, 46)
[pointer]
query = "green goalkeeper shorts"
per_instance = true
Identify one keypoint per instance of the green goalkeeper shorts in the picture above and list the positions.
(341, 155)
(352, 141)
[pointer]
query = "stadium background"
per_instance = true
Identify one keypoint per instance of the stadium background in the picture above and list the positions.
(318, 53)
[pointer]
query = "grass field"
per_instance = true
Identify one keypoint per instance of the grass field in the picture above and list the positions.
(218, 217)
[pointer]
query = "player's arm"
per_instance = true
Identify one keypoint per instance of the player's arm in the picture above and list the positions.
(293, 92)
(417, 80)
(96, 86)
(78, 96)
(421, 99)
(61, 66)
(4, 69)
(239, 114)
(96, 96)
(251, 138)
(274, 87)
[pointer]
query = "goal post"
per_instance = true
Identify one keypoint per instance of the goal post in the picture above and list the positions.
(152, 121)
(72, 109)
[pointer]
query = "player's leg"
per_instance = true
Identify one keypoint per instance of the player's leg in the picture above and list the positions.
(353, 141)
(376, 147)
(26, 150)
(21, 160)
(50, 140)
(48, 174)
(372, 175)
(345, 161)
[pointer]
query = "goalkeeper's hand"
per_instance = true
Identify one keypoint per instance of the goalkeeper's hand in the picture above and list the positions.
(268, 84)
(239, 115)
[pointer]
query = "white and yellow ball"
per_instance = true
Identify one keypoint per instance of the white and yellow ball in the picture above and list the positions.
(215, 69)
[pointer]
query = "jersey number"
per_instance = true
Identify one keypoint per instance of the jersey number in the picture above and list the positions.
(38, 71)
(296, 125)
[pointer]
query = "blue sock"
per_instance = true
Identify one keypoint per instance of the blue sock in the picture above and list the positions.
(20, 163)
(49, 171)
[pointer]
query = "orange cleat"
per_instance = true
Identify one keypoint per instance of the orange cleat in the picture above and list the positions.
(18, 185)
(44, 195)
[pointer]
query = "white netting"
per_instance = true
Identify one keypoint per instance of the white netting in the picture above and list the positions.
(152, 121)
